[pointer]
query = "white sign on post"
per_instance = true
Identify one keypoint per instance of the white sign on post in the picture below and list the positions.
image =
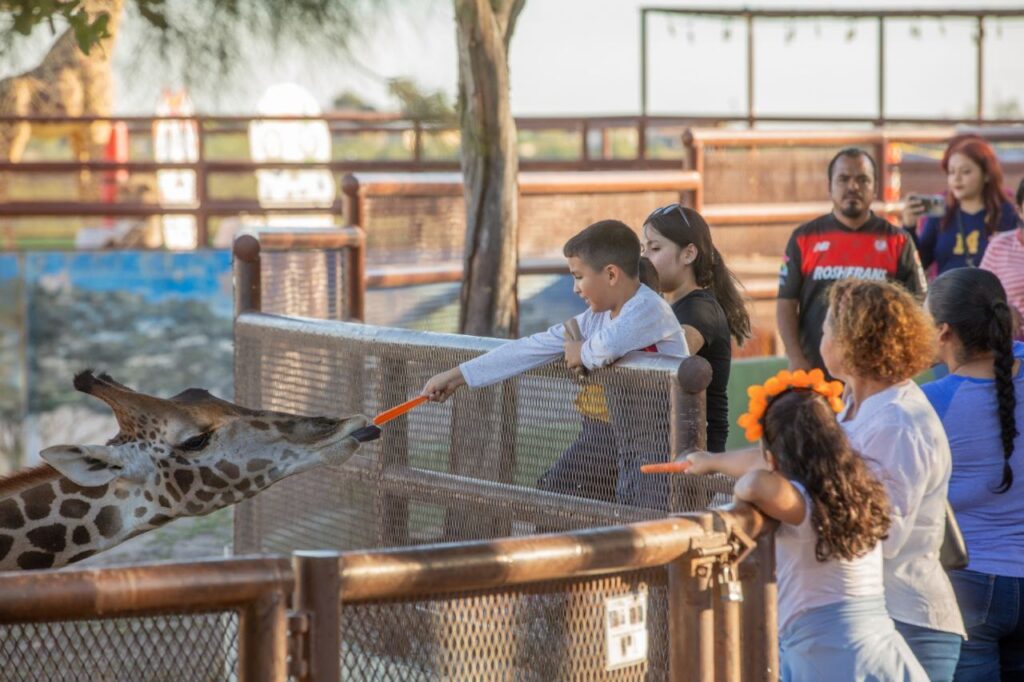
(292, 142)
(625, 624)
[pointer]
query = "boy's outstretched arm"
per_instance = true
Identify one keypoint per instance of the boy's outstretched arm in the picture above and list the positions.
(440, 386)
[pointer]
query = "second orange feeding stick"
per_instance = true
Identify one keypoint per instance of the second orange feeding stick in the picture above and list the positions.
(398, 410)
(665, 468)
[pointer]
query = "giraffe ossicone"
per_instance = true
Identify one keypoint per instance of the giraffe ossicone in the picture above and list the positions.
(188, 455)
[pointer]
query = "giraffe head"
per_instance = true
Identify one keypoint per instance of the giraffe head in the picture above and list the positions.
(194, 453)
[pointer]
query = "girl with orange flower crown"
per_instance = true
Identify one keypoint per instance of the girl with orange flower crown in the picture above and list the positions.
(833, 514)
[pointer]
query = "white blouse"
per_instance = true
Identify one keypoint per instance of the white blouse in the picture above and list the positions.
(902, 439)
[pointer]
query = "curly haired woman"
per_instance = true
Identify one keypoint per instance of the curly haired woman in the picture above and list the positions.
(834, 514)
(876, 338)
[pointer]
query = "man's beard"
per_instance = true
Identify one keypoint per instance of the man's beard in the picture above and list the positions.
(852, 209)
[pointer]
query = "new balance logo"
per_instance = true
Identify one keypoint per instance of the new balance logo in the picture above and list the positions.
(844, 271)
(821, 247)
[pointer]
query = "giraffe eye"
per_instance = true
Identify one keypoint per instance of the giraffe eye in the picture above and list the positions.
(195, 442)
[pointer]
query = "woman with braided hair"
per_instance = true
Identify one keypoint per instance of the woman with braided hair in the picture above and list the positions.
(981, 404)
(833, 514)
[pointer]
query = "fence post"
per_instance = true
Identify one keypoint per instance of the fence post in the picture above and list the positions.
(353, 200)
(263, 639)
(357, 278)
(691, 616)
(247, 274)
(688, 425)
(318, 594)
(760, 617)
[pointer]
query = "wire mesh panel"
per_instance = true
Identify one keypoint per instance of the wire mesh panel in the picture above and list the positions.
(555, 630)
(410, 230)
(547, 221)
(536, 453)
(305, 283)
(197, 647)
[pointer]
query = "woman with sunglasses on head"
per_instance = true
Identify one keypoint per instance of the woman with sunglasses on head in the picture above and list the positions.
(705, 298)
(981, 404)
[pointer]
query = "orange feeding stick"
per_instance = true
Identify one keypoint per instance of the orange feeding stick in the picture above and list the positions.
(665, 468)
(398, 410)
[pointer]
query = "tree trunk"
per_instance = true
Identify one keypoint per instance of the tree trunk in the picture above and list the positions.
(490, 166)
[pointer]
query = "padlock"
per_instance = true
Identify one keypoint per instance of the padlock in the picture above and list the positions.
(731, 588)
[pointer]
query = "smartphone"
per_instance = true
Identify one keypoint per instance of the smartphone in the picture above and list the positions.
(934, 204)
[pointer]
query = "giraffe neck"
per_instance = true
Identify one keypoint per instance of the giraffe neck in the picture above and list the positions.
(48, 521)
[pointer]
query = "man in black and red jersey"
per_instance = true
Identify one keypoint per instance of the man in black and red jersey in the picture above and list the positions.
(851, 241)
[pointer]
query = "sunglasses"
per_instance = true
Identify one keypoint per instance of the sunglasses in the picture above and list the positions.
(666, 210)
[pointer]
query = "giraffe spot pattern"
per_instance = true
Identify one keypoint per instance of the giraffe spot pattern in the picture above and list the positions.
(82, 555)
(260, 482)
(81, 536)
(38, 502)
(257, 465)
(261, 425)
(121, 494)
(229, 469)
(159, 520)
(210, 479)
(148, 495)
(193, 507)
(108, 521)
(6, 542)
(184, 479)
(163, 501)
(10, 515)
(35, 560)
(204, 495)
(69, 487)
(52, 538)
(74, 509)
(290, 454)
(140, 512)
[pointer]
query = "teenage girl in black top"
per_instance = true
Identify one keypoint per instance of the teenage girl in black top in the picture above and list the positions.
(705, 297)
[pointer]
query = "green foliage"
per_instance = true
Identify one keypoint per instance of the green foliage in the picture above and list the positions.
(418, 105)
(202, 38)
(350, 101)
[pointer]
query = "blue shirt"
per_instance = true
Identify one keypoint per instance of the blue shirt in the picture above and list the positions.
(992, 523)
(951, 249)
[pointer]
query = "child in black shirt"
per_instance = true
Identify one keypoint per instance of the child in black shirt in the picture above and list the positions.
(705, 299)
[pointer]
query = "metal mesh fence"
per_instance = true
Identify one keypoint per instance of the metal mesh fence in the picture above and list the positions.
(411, 230)
(309, 283)
(535, 633)
(195, 647)
(536, 453)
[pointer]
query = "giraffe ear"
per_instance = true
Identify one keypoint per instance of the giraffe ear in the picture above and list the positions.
(92, 465)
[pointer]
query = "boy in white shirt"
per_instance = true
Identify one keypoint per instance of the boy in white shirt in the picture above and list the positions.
(623, 316)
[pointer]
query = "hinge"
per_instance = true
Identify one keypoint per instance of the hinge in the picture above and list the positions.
(298, 644)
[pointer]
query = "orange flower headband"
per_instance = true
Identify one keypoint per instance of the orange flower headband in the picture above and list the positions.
(781, 382)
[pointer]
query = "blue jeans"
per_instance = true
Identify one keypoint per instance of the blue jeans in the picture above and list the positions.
(993, 611)
(937, 651)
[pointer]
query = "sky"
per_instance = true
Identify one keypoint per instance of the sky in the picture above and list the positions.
(582, 57)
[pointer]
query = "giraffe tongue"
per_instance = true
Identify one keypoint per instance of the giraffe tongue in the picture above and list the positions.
(366, 434)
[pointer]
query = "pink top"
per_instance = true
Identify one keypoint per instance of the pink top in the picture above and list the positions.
(1005, 258)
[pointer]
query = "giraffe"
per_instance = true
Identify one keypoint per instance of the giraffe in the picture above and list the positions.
(66, 83)
(184, 456)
